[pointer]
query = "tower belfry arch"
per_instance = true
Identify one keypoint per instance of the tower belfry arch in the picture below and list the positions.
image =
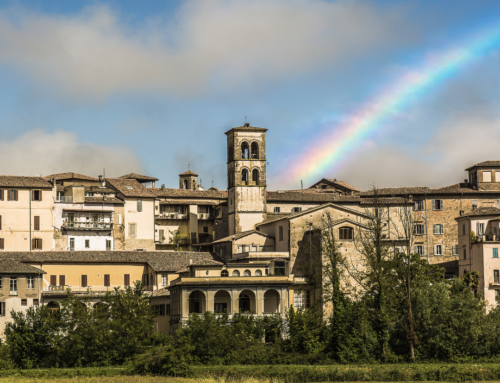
(246, 170)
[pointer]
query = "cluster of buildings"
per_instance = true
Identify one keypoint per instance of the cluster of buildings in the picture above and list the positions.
(244, 249)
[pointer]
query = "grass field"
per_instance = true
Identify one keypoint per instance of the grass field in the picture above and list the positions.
(143, 379)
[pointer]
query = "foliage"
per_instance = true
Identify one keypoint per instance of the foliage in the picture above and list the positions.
(81, 334)
(176, 238)
(473, 236)
(471, 279)
(5, 360)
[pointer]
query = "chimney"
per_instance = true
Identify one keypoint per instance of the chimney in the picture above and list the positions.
(100, 178)
(53, 181)
(163, 187)
(190, 261)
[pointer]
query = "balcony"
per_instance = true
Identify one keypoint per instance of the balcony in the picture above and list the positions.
(205, 238)
(87, 225)
(64, 199)
(205, 216)
(494, 281)
(171, 216)
(80, 289)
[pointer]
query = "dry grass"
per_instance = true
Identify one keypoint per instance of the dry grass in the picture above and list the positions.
(129, 379)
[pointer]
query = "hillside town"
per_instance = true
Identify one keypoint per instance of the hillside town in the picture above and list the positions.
(234, 250)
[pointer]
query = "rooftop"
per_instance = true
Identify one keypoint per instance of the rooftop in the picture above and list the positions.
(139, 177)
(485, 163)
(241, 235)
(130, 187)
(186, 193)
(70, 175)
(246, 128)
(24, 182)
(106, 200)
(482, 211)
(12, 266)
(188, 173)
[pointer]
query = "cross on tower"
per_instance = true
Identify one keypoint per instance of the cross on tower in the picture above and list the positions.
(212, 183)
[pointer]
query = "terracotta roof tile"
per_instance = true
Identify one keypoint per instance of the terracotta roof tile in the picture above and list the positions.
(12, 266)
(186, 193)
(247, 128)
(138, 177)
(189, 173)
(224, 281)
(482, 211)
(109, 200)
(188, 202)
(207, 262)
(70, 175)
(485, 163)
(398, 191)
(130, 187)
(24, 182)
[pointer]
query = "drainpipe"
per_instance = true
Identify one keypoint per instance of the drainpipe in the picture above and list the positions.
(30, 197)
(426, 228)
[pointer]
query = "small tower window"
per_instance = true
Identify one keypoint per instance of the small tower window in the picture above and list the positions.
(254, 151)
(244, 175)
(194, 184)
(185, 184)
(255, 176)
(244, 151)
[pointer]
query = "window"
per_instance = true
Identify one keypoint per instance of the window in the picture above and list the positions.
(84, 281)
(419, 249)
(87, 243)
(35, 302)
(71, 244)
(495, 276)
(37, 243)
(255, 176)
(224, 273)
(244, 151)
(36, 195)
(438, 249)
(281, 233)
(0, 222)
(258, 273)
(139, 205)
(454, 250)
(164, 279)
(419, 205)
(107, 280)
(126, 279)
(480, 229)
(13, 284)
(465, 253)
(1, 283)
(162, 310)
(247, 273)
(168, 310)
(301, 299)
(12, 195)
(346, 233)
(132, 229)
(296, 210)
(145, 279)
(495, 252)
(463, 229)
(498, 203)
(2, 243)
(244, 175)
(129, 187)
(438, 228)
(236, 273)
(437, 204)
(53, 280)
(62, 280)
(254, 151)
(279, 268)
(36, 222)
(24, 302)
(277, 209)
(205, 229)
(2, 309)
(119, 219)
(89, 194)
(108, 244)
(474, 202)
(418, 229)
(30, 281)
(486, 176)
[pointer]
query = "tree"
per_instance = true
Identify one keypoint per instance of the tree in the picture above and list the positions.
(176, 238)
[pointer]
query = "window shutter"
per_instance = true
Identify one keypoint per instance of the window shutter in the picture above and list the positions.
(2, 245)
(53, 280)
(126, 279)
(32, 195)
(106, 280)
(8, 195)
(1, 195)
(495, 253)
(0, 222)
(62, 280)
(33, 243)
(37, 222)
(16, 193)
(84, 281)
(434, 227)
(39, 195)
(119, 219)
(433, 204)
(40, 244)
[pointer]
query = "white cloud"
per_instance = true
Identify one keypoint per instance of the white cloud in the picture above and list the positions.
(223, 42)
(39, 152)
(459, 142)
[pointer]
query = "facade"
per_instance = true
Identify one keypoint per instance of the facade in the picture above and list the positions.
(20, 288)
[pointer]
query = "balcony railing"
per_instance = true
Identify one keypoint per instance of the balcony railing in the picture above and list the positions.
(65, 198)
(87, 225)
(81, 289)
(205, 216)
(205, 238)
(171, 216)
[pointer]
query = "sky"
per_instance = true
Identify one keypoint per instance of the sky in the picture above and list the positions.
(151, 87)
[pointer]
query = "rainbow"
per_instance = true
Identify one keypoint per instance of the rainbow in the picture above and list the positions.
(328, 150)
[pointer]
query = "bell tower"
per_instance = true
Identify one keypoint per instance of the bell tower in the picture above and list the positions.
(188, 180)
(246, 177)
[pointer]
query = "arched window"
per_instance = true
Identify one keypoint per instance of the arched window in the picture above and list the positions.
(224, 273)
(255, 176)
(236, 273)
(244, 151)
(258, 273)
(254, 151)
(247, 273)
(194, 184)
(346, 233)
(244, 175)
(185, 184)
(139, 205)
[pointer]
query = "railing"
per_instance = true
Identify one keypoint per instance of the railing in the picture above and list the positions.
(65, 199)
(205, 216)
(494, 281)
(171, 216)
(81, 289)
(87, 225)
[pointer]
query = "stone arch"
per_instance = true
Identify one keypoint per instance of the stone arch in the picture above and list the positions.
(246, 302)
(222, 301)
(247, 273)
(197, 302)
(224, 273)
(272, 301)
(244, 150)
(244, 175)
(258, 273)
(254, 151)
(53, 306)
(255, 176)
(186, 184)
(235, 273)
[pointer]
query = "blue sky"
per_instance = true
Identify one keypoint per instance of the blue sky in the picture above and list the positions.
(151, 87)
